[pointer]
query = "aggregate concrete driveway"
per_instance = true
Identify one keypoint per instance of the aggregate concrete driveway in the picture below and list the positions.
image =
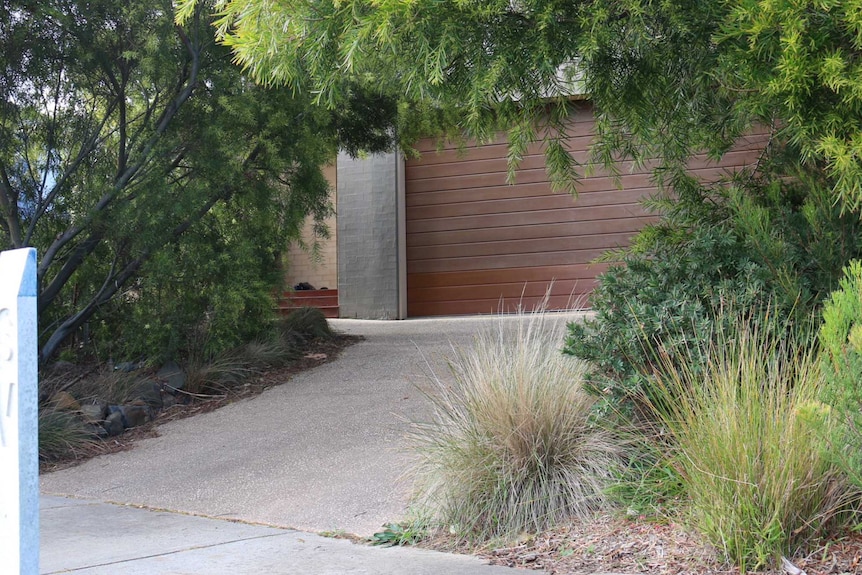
(321, 452)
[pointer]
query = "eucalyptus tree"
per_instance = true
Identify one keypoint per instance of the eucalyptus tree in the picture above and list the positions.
(129, 143)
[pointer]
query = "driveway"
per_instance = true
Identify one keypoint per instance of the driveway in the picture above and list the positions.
(324, 451)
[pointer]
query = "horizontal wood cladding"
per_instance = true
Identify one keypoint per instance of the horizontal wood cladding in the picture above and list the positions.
(504, 290)
(532, 217)
(528, 204)
(493, 306)
(564, 229)
(520, 276)
(515, 247)
(529, 175)
(479, 244)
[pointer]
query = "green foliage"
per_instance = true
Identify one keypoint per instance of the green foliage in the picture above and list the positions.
(511, 446)
(841, 361)
(648, 485)
(398, 534)
(668, 78)
(209, 372)
(157, 183)
(750, 441)
(752, 243)
(115, 387)
(798, 62)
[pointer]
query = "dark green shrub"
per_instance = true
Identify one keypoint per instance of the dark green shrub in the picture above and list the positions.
(744, 244)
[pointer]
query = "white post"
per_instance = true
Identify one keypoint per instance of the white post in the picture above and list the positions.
(19, 420)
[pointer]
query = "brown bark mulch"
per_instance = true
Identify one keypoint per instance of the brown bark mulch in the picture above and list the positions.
(608, 544)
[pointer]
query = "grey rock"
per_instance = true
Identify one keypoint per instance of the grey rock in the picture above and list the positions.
(94, 412)
(114, 423)
(173, 375)
(136, 414)
(168, 401)
(96, 429)
(150, 392)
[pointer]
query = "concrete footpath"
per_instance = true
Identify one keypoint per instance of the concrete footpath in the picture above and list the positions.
(323, 452)
(89, 537)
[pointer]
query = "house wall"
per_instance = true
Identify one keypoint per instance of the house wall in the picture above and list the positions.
(368, 214)
(448, 235)
(476, 243)
(299, 264)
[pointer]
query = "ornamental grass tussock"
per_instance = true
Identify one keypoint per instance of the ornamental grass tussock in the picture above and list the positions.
(511, 446)
(750, 440)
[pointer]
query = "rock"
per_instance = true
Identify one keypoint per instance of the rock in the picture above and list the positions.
(138, 413)
(114, 423)
(96, 430)
(173, 375)
(65, 402)
(149, 391)
(94, 412)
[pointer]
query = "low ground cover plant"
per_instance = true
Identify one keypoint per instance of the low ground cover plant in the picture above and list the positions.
(512, 446)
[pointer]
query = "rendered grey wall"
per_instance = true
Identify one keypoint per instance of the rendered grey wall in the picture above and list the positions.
(367, 208)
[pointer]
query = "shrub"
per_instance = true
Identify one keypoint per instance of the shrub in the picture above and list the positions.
(841, 361)
(108, 385)
(756, 244)
(511, 446)
(749, 439)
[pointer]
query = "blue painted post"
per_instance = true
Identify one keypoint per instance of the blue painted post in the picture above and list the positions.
(19, 420)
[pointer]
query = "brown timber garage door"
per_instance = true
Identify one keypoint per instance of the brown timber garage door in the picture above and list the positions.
(476, 244)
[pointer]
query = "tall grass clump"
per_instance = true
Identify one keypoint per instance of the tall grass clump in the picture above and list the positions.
(511, 446)
(62, 434)
(749, 438)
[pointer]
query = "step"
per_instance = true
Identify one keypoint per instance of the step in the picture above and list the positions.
(324, 300)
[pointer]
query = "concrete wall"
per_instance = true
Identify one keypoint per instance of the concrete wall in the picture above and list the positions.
(300, 266)
(368, 214)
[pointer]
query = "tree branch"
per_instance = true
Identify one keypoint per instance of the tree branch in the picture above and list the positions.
(114, 282)
(168, 114)
(9, 204)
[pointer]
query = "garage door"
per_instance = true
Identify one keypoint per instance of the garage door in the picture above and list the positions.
(476, 244)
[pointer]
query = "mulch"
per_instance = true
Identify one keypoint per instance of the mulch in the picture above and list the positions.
(611, 544)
